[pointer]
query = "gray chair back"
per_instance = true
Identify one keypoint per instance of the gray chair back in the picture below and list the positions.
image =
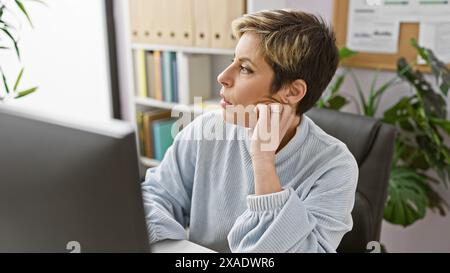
(372, 144)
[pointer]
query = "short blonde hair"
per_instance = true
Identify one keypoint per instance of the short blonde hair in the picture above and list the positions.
(297, 45)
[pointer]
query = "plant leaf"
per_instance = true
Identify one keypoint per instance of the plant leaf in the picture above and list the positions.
(336, 86)
(398, 112)
(442, 123)
(345, 53)
(422, 52)
(407, 197)
(337, 102)
(360, 92)
(438, 68)
(22, 8)
(13, 40)
(5, 82)
(434, 104)
(18, 79)
(26, 92)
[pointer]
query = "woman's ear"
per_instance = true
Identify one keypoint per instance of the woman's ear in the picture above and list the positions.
(297, 91)
(293, 92)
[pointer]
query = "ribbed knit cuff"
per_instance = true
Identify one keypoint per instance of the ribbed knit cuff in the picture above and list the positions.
(268, 201)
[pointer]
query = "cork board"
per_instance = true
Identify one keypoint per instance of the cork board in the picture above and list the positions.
(375, 60)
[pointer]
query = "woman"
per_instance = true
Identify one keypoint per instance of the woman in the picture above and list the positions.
(287, 189)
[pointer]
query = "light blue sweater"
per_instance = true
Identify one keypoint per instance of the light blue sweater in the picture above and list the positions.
(208, 186)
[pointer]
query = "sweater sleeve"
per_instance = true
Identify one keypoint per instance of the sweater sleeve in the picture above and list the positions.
(287, 221)
(167, 191)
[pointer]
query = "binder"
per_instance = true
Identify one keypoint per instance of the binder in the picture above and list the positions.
(158, 17)
(235, 9)
(167, 22)
(149, 11)
(222, 13)
(217, 14)
(183, 20)
(201, 23)
(135, 14)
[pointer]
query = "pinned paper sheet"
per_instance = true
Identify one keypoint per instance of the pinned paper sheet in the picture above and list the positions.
(436, 36)
(414, 10)
(401, 10)
(368, 31)
(433, 9)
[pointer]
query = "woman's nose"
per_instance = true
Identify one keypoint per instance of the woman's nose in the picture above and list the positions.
(224, 78)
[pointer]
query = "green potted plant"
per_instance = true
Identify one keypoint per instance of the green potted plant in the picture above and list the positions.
(9, 40)
(420, 149)
(422, 122)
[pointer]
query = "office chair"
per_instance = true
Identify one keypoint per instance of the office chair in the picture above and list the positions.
(372, 144)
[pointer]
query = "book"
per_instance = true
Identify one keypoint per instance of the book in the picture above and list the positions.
(151, 86)
(147, 120)
(139, 121)
(140, 73)
(162, 137)
(158, 75)
(199, 73)
(174, 77)
(167, 76)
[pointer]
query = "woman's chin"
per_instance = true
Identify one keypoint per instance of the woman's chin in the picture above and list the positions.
(241, 117)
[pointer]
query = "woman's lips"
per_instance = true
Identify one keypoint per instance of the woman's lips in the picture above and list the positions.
(224, 103)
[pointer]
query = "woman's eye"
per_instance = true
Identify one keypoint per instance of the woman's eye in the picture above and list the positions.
(245, 70)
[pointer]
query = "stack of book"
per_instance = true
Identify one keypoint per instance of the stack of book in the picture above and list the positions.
(157, 77)
(155, 133)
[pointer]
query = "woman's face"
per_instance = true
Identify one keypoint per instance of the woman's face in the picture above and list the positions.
(246, 82)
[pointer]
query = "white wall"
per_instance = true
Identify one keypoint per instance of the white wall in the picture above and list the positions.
(66, 56)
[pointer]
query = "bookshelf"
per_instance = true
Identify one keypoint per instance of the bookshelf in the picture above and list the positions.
(132, 102)
(218, 56)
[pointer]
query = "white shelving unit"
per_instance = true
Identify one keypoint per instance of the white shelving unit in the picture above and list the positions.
(197, 109)
(185, 50)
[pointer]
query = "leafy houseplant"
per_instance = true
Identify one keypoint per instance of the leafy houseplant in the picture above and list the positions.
(419, 149)
(10, 39)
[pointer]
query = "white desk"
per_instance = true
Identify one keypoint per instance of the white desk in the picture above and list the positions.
(178, 246)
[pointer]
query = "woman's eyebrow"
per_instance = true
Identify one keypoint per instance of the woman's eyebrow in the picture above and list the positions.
(243, 59)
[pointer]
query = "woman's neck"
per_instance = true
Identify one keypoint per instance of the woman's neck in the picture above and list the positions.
(289, 134)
